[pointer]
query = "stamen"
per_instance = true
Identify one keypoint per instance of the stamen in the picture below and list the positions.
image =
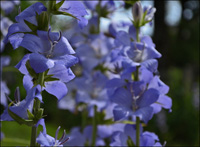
(57, 133)
(49, 35)
(64, 141)
(63, 136)
(8, 98)
(17, 95)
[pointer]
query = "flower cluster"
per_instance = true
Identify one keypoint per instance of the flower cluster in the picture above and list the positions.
(46, 66)
(117, 89)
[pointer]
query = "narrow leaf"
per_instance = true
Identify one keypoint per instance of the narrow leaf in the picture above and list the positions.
(31, 26)
(58, 5)
(19, 119)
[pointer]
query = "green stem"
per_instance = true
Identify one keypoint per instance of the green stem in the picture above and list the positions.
(84, 119)
(36, 109)
(137, 35)
(94, 126)
(137, 131)
(33, 136)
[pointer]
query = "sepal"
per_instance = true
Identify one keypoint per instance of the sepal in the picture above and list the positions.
(20, 120)
(30, 115)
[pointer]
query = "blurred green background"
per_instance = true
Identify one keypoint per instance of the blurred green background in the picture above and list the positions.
(179, 69)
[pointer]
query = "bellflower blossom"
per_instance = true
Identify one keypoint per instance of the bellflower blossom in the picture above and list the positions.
(48, 49)
(56, 88)
(20, 107)
(46, 140)
(77, 9)
(96, 53)
(92, 91)
(16, 31)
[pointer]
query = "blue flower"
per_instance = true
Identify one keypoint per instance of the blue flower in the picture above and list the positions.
(91, 91)
(46, 140)
(77, 9)
(133, 100)
(20, 107)
(95, 53)
(48, 49)
(16, 31)
(56, 88)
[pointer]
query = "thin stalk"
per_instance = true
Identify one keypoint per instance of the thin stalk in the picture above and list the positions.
(33, 136)
(137, 35)
(137, 131)
(94, 126)
(36, 109)
(84, 119)
(137, 78)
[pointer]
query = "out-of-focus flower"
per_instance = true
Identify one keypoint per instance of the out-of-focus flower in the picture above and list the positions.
(46, 140)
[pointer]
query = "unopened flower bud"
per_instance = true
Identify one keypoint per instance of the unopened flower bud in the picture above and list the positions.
(137, 12)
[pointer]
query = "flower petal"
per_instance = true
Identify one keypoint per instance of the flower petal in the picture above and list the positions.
(56, 88)
(40, 63)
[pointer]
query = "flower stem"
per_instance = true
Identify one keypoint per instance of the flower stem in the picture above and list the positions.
(36, 109)
(94, 126)
(137, 131)
(137, 35)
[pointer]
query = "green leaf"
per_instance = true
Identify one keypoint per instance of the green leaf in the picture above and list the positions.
(30, 115)
(39, 114)
(58, 5)
(31, 26)
(63, 13)
(20, 120)
(48, 79)
(101, 68)
(43, 20)
(31, 70)
(130, 142)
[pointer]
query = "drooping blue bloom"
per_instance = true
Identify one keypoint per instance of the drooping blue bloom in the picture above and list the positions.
(95, 53)
(77, 9)
(20, 107)
(48, 49)
(56, 88)
(46, 140)
(133, 100)
(128, 137)
(16, 31)
(91, 91)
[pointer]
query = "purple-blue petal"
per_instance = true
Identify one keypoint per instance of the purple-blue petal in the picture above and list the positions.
(56, 88)
(148, 97)
(40, 63)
